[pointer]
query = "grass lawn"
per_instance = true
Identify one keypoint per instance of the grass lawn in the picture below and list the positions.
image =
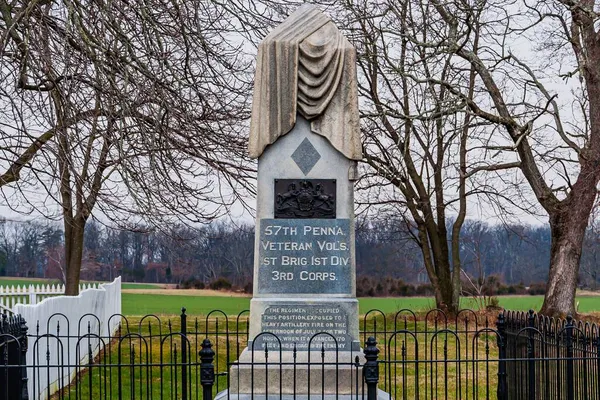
(128, 285)
(389, 305)
(142, 304)
(169, 302)
(404, 378)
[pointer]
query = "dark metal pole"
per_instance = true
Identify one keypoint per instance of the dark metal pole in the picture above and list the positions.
(5, 392)
(569, 340)
(502, 391)
(207, 369)
(371, 368)
(531, 355)
(24, 380)
(598, 366)
(184, 367)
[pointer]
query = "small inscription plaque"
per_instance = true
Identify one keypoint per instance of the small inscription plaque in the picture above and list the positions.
(297, 324)
(304, 198)
(304, 256)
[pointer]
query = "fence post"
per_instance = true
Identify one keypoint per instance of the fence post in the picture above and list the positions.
(569, 340)
(32, 295)
(531, 354)
(184, 369)
(23, 358)
(598, 362)
(207, 369)
(502, 390)
(371, 368)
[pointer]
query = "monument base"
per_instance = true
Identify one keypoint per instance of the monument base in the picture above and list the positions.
(284, 372)
(225, 395)
(281, 375)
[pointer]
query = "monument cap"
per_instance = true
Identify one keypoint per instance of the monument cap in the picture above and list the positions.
(306, 66)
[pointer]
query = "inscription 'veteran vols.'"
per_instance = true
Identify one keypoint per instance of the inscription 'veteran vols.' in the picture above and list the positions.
(300, 256)
(304, 198)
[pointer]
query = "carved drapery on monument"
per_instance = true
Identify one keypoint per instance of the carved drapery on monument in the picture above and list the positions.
(306, 66)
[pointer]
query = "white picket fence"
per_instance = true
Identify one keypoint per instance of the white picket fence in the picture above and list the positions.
(32, 294)
(55, 325)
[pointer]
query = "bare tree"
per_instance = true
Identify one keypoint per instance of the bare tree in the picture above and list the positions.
(132, 108)
(556, 141)
(10, 234)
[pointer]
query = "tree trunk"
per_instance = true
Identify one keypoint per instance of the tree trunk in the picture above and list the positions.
(444, 297)
(567, 226)
(73, 255)
(564, 269)
(443, 287)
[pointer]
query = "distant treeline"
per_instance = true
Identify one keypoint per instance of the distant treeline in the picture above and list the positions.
(516, 256)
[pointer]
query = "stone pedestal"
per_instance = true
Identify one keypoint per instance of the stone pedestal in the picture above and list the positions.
(296, 302)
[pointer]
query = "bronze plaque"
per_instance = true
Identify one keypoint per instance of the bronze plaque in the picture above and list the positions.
(305, 198)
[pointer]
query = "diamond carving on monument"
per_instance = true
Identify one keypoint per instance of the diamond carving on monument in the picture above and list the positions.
(306, 156)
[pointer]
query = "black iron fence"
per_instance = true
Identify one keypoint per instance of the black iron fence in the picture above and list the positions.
(554, 358)
(13, 347)
(403, 356)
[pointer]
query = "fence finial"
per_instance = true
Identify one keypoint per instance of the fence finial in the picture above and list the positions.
(531, 318)
(207, 369)
(570, 321)
(371, 368)
(501, 323)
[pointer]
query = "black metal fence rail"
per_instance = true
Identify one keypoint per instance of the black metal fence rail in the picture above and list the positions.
(434, 355)
(520, 355)
(430, 356)
(553, 358)
(13, 347)
(148, 357)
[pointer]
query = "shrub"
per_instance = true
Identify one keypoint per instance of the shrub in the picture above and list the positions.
(364, 287)
(492, 303)
(198, 284)
(187, 284)
(192, 283)
(424, 290)
(219, 284)
(537, 289)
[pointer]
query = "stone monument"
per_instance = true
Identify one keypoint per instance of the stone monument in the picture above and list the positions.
(305, 133)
